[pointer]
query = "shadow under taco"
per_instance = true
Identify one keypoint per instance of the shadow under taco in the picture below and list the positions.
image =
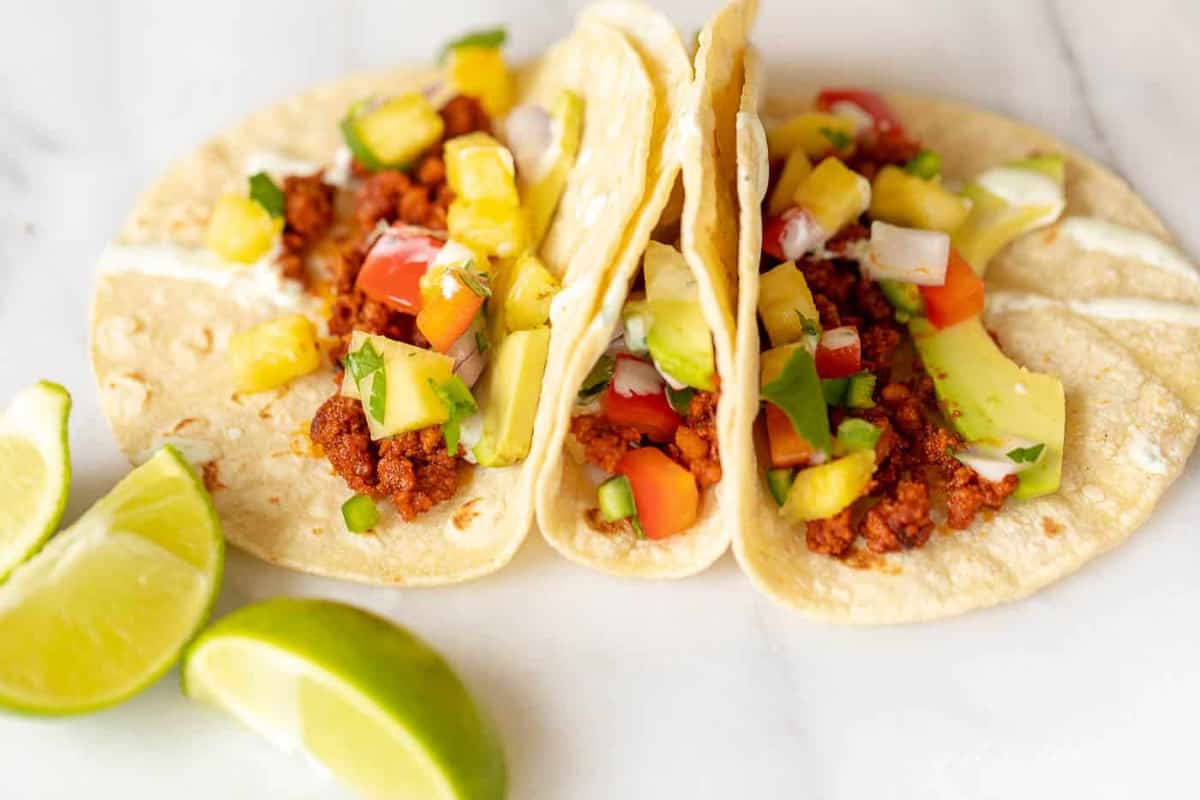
(974, 350)
(340, 309)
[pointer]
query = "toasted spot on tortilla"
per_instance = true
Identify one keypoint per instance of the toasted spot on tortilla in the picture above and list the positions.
(465, 514)
(866, 560)
(1051, 527)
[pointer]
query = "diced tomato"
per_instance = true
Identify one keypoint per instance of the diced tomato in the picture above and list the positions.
(787, 448)
(636, 397)
(664, 493)
(443, 319)
(959, 298)
(873, 104)
(839, 353)
(393, 268)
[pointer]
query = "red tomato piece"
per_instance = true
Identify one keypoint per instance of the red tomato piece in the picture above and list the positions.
(392, 270)
(636, 397)
(872, 103)
(959, 298)
(664, 493)
(791, 234)
(839, 353)
(787, 448)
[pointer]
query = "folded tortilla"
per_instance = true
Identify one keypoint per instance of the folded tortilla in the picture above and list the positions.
(161, 320)
(694, 146)
(1122, 335)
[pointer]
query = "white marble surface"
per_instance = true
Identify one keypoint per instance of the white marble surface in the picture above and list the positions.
(605, 688)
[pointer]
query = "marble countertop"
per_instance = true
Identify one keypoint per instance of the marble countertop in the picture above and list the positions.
(602, 687)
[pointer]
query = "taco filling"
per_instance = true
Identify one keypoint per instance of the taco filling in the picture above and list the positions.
(888, 409)
(438, 306)
(645, 417)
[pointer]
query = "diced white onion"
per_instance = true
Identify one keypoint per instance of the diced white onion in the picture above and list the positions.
(468, 361)
(991, 461)
(636, 328)
(908, 255)
(801, 233)
(632, 377)
(594, 474)
(839, 338)
(862, 120)
(529, 131)
(470, 431)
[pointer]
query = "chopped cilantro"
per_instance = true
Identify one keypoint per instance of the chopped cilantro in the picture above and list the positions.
(680, 398)
(1026, 455)
(808, 325)
(839, 139)
(378, 401)
(473, 280)
(481, 342)
(598, 378)
(797, 393)
(363, 361)
(264, 192)
(459, 403)
(487, 37)
(362, 364)
(925, 164)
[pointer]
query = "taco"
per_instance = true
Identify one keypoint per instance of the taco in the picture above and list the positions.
(339, 310)
(636, 476)
(976, 352)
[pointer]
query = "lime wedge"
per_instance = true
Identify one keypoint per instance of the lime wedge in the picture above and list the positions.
(106, 607)
(370, 701)
(35, 471)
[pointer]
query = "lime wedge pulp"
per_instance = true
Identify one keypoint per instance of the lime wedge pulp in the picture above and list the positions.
(375, 705)
(107, 606)
(35, 470)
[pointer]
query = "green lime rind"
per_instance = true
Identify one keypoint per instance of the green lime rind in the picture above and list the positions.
(55, 402)
(172, 465)
(390, 668)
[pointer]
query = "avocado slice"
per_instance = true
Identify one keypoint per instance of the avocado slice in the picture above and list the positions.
(989, 398)
(540, 196)
(678, 337)
(508, 397)
(1007, 202)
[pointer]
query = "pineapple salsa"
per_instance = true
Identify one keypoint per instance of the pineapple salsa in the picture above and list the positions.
(887, 404)
(438, 304)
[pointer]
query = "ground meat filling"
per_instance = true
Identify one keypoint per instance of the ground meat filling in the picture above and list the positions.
(413, 469)
(308, 216)
(914, 461)
(695, 446)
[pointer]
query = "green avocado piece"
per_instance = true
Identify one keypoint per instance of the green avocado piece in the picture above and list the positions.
(988, 397)
(680, 342)
(541, 196)
(904, 297)
(508, 397)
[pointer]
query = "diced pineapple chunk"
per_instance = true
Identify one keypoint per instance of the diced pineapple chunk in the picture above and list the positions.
(786, 305)
(392, 133)
(530, 289)
(834, 194)
(822, 491)
(241, 230)
(480, 168)
(480, 72)
(795, 170)
(913, 202)
(495, 227)
(815, 132)
(406, 397)
(272, 353)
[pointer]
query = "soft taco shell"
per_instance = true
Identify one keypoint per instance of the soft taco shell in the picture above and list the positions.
(1131, 408)
(686, 140)
(158, 343)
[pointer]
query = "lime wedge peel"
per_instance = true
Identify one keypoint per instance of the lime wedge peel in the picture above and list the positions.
(35, 471)
(373, 704)
(109, 604)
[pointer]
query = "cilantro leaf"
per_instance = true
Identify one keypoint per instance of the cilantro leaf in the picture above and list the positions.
(473, 280)
(797, 393)
(680, 398)
(264, 192)
(1026, 455)
(459, 403)
(378, 401)
(363, 361)
(487, 37)
(481, 342)
(839, 139)
(808, 325)
(598, 378)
